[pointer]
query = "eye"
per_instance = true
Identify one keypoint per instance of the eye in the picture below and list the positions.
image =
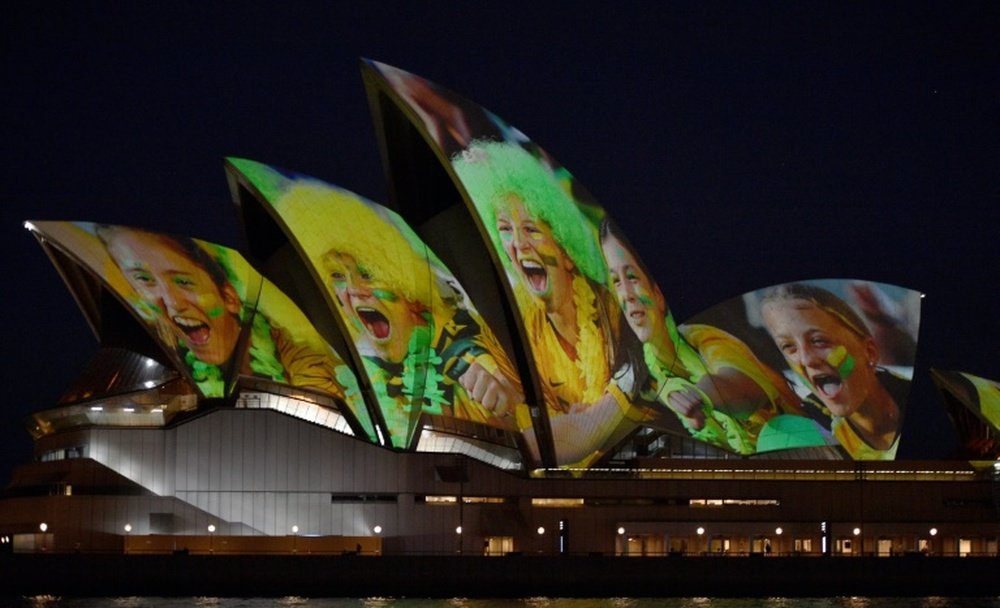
(143, 277)
(615, 279)
(364, 273)
(533, 230)
(184, 281)
(787, 347)
(338, 277)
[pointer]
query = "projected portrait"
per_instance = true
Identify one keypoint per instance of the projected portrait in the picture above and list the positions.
(845, 347)
(204, 303)
(553, 262)
(721, 392)
(425, 348)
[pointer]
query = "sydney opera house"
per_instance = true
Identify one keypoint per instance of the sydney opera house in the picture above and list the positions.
(481, 366)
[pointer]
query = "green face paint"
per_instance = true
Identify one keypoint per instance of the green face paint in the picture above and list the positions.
(842, 361)
(215, 312)
(385, 295)
(847, 367)
(645, 300)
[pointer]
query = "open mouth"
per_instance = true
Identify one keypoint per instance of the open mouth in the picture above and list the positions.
(636, 316)
(828, 385)
(536, 275)
(375, 322)
(196, 331)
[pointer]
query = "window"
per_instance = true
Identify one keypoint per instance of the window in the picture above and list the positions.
(557, 502)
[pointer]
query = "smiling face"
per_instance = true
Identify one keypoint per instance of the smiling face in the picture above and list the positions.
(535, 254)
(641, 301)
(386, 318)
(203, 315)
(837, 362)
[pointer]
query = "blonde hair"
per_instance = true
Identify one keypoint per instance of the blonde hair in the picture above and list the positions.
(329, 221)
(821, 299)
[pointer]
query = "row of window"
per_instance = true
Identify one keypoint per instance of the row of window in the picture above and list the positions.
(560, 503)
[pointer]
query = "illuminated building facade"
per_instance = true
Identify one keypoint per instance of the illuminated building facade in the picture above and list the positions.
(486, 366)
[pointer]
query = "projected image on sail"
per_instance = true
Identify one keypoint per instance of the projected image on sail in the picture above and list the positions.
(604, 345)
(424, 347)
(210, 311)
(847, 347)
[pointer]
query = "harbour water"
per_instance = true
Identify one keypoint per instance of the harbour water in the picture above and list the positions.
(45, 601)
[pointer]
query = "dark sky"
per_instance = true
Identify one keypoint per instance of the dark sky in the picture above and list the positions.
(739, 145)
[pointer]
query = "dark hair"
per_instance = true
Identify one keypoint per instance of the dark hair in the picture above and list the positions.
(185, 245)
(610, 229)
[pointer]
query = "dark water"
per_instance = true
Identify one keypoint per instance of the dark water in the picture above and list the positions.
(535, 602)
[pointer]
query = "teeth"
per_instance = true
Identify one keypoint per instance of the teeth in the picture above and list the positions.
(185, 322)
(531, 265)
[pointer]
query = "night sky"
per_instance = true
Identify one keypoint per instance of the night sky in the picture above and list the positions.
(739, 145)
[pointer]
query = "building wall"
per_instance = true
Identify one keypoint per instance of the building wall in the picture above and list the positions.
(258, 472)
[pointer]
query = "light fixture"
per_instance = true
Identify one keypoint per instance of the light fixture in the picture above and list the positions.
(211, 528)
(128, 528)
(857, 531)
(295, 529)
(377, 529)
(933, 531)
(700, 530)
(43, 526)
(458, 529)
(541, 530)
(778, 530)
(621, 531)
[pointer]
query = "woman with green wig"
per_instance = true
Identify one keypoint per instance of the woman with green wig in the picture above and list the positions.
(550, 251)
